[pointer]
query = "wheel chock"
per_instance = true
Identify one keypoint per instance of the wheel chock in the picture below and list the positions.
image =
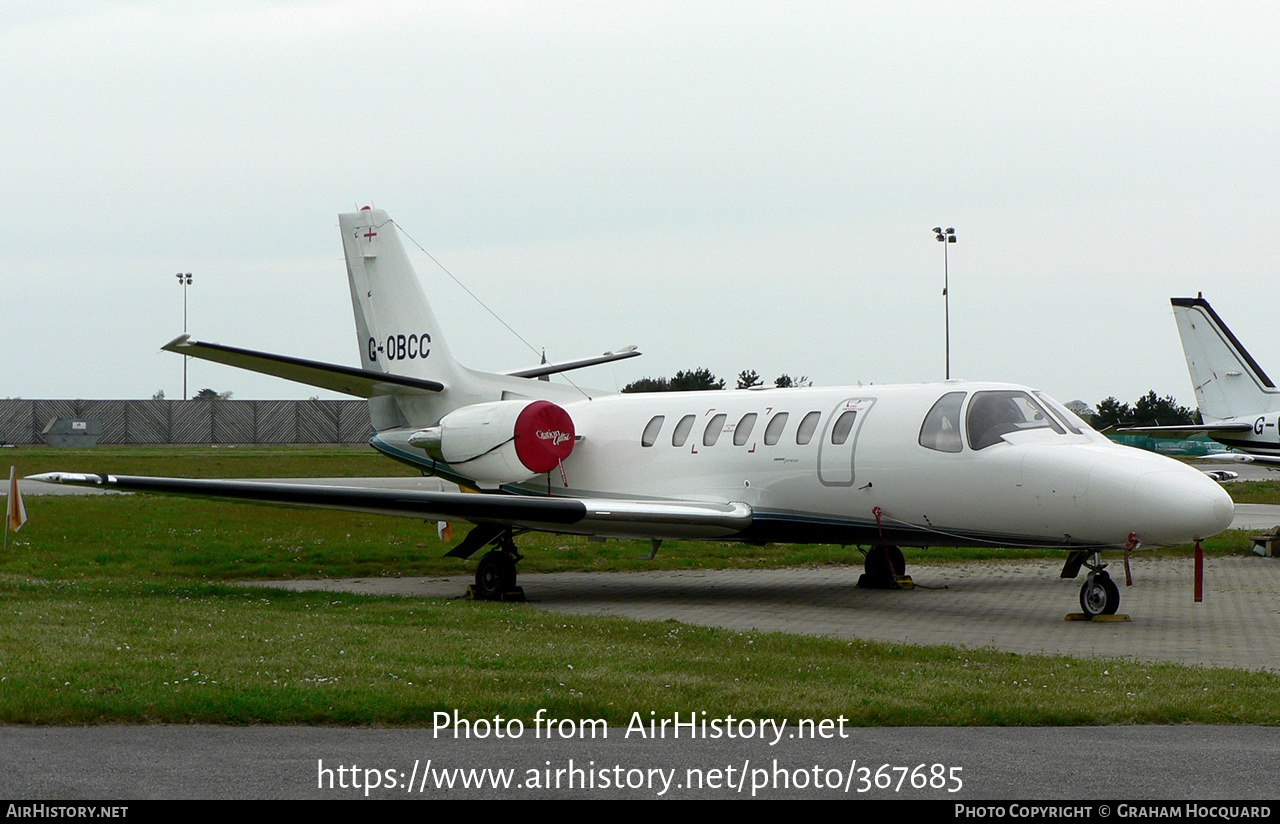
(515, 595)
(1119, 618)
(866, 581)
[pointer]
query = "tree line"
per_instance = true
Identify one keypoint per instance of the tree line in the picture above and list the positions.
(1149, 410)
(692, 380)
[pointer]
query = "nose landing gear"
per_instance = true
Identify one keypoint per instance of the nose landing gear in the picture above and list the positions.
(1099, 596)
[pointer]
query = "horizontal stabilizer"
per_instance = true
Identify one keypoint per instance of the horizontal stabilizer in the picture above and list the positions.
(362, 383)
(1240, 457)
(1184, 430)
(565, 366)
(615, 518)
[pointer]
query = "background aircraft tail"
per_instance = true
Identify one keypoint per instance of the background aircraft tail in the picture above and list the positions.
(1228, 382)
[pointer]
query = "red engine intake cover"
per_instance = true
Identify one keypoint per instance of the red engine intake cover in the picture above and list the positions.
(544, 436)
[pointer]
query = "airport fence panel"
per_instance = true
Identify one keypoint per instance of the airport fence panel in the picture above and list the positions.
(147, 421)
(192, 422)
(278, 422)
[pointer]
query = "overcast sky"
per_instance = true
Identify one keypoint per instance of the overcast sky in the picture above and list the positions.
(728, 185)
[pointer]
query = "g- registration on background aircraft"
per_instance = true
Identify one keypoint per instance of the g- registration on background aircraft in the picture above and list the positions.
(943, 464)
(1238, 403)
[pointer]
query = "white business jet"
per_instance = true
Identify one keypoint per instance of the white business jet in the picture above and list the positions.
(945, 464)
(1239, 404)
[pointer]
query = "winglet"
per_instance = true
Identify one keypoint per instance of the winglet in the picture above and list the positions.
(182, 341)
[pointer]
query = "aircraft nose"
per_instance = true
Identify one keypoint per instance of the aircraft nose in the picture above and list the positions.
(1180, 505)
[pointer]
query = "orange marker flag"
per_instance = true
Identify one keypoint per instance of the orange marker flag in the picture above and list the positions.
(17, 514)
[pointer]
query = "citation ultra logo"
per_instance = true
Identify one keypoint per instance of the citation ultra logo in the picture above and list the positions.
(554, 435)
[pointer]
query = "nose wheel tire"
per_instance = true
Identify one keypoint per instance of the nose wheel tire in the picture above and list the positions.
(1099, 595)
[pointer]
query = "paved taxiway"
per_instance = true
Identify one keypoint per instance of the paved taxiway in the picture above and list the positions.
(1015, 606)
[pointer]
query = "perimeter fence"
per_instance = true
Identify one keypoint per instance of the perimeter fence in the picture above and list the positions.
(193, 422)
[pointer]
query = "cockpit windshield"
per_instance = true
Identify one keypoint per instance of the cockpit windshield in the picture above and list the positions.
(1073, 422)
(994, 414)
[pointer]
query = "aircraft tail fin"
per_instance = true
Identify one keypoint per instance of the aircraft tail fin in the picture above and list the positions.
(396, 329)
(1228, 382)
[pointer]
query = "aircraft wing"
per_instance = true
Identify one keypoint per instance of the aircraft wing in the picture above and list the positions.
(362, 383)
(622, 518)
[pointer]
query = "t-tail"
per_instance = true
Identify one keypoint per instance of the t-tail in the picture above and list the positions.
(407, 371)
(1228, 382)
(395, 328)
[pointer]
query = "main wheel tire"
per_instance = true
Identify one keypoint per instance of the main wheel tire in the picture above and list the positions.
(1099, 596)
(495, 575)
(885, 563)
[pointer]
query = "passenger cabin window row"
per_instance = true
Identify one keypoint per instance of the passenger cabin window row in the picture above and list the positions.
(742, 430)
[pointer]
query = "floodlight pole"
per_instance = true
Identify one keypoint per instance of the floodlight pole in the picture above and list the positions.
(944, 237)
(184, 280)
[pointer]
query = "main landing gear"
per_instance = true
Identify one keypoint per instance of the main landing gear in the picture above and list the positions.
(1099, 595)
(496, 577)
(885, 568)
(496, 572)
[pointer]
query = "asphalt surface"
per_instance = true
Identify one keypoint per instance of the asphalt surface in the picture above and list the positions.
(1100, 764)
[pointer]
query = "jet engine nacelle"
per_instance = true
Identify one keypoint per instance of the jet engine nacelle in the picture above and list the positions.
(501, 442)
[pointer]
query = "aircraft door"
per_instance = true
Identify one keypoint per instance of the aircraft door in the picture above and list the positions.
(839, 441)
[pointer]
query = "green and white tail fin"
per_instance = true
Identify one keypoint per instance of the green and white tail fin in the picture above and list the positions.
(1228, 382)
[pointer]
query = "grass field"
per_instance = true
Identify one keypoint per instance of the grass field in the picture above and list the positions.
(116, 609)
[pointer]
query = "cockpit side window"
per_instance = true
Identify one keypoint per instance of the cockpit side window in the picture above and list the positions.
(995, 414)
(941, 428)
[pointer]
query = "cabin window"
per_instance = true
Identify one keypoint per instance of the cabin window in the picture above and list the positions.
(773, 431)
(992, 415)
(941, 428)
(743, 430)
(713, 430)
(843, 426)
(650, 436)
(681, 433)
(808, 424)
